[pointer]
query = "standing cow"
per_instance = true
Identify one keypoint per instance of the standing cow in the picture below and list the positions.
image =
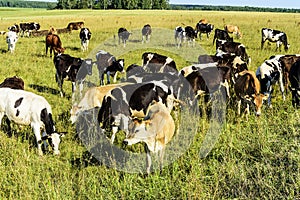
(54, 43)
(26, 108)
(146, 33)
(274, 36)
(109, 65)
(11, 40)
(123, 35)
(85, 36)
(233, 29)
(204, 28)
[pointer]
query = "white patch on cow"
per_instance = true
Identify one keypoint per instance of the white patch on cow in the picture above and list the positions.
(169, 60)
(11, 40)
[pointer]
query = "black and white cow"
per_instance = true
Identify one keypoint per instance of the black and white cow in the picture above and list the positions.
(72, 69)
(222, 35)
(154, 62)
(294, 77)
(191, 35)
(26, 28)
(11, 40)
(85, 36)
(268, 74)
(123, 35)
(235, 48)
(179, 36)
(274, 36)
(109, 65)
(14, 28)
(146, 33)
(204, 28)
(26, 108)
(122, 103)
(133, 70)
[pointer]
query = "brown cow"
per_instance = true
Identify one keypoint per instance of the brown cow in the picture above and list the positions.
(75, 26)
(247, 89)
(233, 29)
(53, 41)
(203, 21)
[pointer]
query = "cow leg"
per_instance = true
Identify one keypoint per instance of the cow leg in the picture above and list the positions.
(73, 90)
(108, 77)
(115, 77)
(281, 85)
(262, 43)
(9, 127)
(114, 132)
(101, 77)
(36, 130)
(239, 107)
(161, 159)
(60, 83)
(148, 159)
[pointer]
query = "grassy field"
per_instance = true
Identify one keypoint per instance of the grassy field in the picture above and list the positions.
(257, 159)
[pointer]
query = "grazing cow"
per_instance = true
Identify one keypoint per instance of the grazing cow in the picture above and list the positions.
(156, 132)
(133, 70)
(235, 48)
(91, 99)
(11, 40)
(124, 102)
(294, 77)
(222, 35)
(62, 30)
(72, 69)
(268, 74)
(154, 62)
(146, 33)
(274, 36)
(109, 65)
(204, 28)
(28, 27)
(179, 35)
(247, 90)
(190, 34)
(123, 35)
(13, 83)
(54, 43)
(26, 108)
(85, 36)
(233, 29)
(75, 26)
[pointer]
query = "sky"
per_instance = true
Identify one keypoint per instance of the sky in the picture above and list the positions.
(255, 3)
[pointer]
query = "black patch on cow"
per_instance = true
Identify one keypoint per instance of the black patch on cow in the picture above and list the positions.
(17, 114)
(46, 118)
(18, 102)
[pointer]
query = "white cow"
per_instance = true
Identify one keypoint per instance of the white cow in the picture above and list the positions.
(26, 108)
(156, 131)
(11, 40)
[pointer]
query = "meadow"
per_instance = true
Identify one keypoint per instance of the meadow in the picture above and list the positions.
(254, 159)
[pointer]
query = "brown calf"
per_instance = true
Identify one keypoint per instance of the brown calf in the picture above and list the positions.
(53, 41)
(233, 29)
(75, 26)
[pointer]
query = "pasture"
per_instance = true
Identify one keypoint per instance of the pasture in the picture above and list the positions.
(254, 159)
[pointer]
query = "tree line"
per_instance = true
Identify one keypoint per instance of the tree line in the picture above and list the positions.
(133, 4)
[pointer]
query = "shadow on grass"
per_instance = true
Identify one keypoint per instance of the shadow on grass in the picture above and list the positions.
(72, 48)
(46, 89)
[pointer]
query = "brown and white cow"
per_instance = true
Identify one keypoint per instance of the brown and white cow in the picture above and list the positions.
(54, 43)
(156, 132)
(75, 26)
(247, 90)
(233, 29)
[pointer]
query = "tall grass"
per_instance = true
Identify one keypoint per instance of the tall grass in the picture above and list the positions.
(254, 159)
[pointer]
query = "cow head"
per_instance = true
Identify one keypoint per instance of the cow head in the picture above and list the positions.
(119, 64)
(258, 102)
(54, 141)
(89, 65)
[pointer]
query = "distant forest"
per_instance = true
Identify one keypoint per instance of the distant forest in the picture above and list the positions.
(132, 4)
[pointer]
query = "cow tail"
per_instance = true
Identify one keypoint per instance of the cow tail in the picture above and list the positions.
(47, 119)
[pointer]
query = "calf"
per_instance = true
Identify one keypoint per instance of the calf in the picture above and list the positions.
(123, 35)
(294, 77)
(92, 99)
(85, 36)
(156, 132)
(75, 26)
(233, 29)
(274, 36)
(72, 69)
(222, 35)
(13, 83)
(109, 65)
(247, 90)
(26, 108)
(204, 28)
(26, 28)
(190, 34)
(146, 33)
(154, 62)
(54, 43)
(11, 40)
(179, 35)
(235, 48)
(268, 74)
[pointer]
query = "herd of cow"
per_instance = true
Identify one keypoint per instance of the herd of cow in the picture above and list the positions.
(141, 106)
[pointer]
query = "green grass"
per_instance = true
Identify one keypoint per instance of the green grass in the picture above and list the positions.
(254, 159)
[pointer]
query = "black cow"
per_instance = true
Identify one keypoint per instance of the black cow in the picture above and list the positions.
(123, 35)
(274, 36)
(294, 77)
(146, 33)
(85, 36)
(190, 34)
(109, 65)
(72, 69)
(235, 48)
(204, 28)
(128, 101)
(222, 35)
(154, 62)
(28, 27)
